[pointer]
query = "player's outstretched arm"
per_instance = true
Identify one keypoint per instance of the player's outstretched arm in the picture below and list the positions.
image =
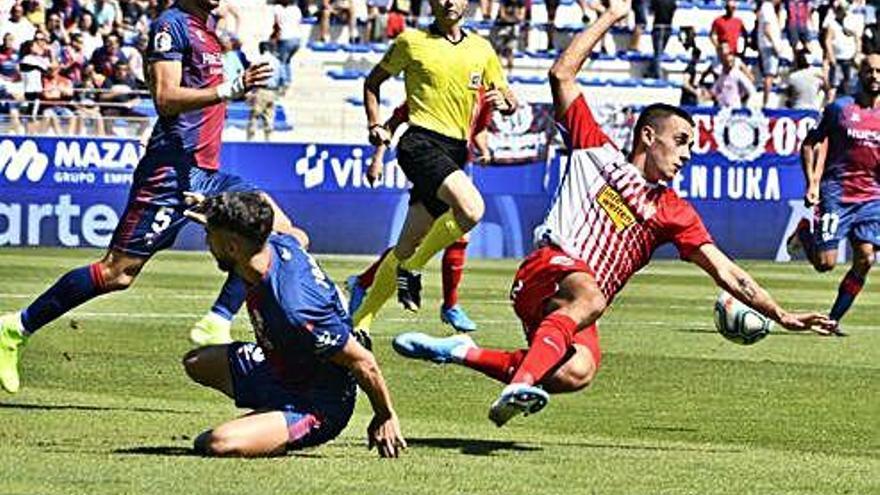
(730, 277)
(563, 74)
(384, 429)
(172, 99)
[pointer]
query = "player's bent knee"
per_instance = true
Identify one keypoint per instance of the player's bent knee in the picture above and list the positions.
(824, 265)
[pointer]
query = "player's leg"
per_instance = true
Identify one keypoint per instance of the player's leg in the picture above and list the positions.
(261, 434)
(209, 366)
(552, 6)
(452, 269)
(418, 220)
(853, 281)
(358, 285)
(117, 270)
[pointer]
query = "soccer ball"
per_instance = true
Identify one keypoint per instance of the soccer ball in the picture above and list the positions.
(738, 322)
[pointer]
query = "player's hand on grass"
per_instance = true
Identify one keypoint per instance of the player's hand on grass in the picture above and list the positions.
(384, 434)
(379, 135)
(377, 165)
(815, 322)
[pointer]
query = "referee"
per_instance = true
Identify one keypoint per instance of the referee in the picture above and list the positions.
(445, 70)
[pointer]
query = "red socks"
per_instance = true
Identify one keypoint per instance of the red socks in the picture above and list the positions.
(549, 347)
(365, 280)
(453, 265)
(500, 365)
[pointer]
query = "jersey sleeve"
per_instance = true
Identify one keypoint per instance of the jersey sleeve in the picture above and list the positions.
(579, 129)
(683, 226)
(397, 57)
(493, 74)
(167, 41)
(826, 124)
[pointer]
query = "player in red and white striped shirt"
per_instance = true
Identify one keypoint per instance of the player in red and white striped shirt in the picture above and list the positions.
(610, 213)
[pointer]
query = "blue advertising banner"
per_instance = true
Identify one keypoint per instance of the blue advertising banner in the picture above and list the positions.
(744, 178)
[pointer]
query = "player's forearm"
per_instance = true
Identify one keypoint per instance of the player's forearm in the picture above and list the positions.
(369, 377)
(371, 100)
(174, 101)
(741, 285)
(572, 59)
(810, 164)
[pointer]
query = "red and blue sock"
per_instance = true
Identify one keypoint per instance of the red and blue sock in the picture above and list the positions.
(850, 287)
(72, 289)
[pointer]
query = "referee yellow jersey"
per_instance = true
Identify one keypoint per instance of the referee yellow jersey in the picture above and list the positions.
(443, 79)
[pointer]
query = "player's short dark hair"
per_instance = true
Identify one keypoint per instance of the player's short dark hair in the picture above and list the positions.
(655, 113)
(247, 214)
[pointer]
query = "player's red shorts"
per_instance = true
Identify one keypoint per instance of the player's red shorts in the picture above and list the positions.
(536, 281)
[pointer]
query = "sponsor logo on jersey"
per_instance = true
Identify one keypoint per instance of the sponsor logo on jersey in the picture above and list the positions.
(475, 80)
(561, 261)
(615, 207)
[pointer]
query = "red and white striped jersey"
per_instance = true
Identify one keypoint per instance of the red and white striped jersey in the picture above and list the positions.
(607, 214)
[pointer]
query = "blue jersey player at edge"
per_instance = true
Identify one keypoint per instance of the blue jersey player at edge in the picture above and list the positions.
(185, 76)
(299, 377)
(844, 187)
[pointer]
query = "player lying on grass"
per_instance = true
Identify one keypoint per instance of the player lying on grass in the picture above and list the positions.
(299, 377)
(609, 214)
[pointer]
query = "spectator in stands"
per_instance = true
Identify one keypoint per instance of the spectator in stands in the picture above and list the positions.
(797, 23)
(10, 85)
(232, 65)
(285, 34)
(770, 47)
(732, 87)
(728, 28)
(87, 109)
(34, 12)
(73, 59)
(640, 9)
(106, 13)
(505, 32)
(377, 12)
(230, 18)
(262, 99)
(69, 10)
(486, 10)
(58, 37)
(32, 65)
(88, 30)
(552, 6)
(342, 10)
(871, 34)
(841, 46)
(122, 93)
(9, 59)
(806, 84)
(134, 55)
(396, 21)
(664, 11)
(56, 99)
(21, 29)
(690, 89)
(106, 57)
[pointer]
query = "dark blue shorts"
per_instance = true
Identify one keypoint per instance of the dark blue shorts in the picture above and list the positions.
(835, 221)
(256, 387)
(154, 214)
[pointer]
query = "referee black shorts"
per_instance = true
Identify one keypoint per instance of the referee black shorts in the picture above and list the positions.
(427, 158)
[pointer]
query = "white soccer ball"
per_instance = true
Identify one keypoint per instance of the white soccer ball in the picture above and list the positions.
(738, 322)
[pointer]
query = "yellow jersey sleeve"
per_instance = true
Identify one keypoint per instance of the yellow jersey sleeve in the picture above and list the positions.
(397, 57)
(493, 74)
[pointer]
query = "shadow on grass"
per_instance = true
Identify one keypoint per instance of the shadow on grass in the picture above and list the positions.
(75, 407)
(471, 446)
(163, 450)
(775, 333)
(651, 448)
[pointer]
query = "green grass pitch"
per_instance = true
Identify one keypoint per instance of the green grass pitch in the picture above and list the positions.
(105, 407)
